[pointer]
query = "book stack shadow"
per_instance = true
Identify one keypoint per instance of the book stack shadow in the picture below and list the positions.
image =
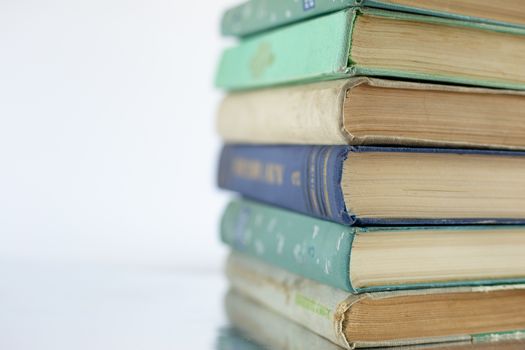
(377, 150)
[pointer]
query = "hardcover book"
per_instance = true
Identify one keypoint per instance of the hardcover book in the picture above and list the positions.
(258, 15)
(272, 331)
(382, 319)
(368, 186)
(373, 42)
(361, 111)
(360, 260)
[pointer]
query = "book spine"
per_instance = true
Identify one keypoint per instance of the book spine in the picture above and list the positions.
(255, 16)
(315, 306)
(258, 15)
(307, 51)
(302, 114)
(309, 247)
(306, 179)
(270, 329)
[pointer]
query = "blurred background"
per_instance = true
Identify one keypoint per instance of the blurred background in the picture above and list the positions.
(107, 154)
(107, 140)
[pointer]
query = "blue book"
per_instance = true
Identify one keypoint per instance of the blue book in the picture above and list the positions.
(381, 185)
(370, 259)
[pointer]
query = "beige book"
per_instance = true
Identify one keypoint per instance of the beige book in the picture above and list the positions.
(383, 318)
(364, 111)
(270, 330)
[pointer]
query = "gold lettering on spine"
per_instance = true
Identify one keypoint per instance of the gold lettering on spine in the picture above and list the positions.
(247, 168)
(296, 178)
(255, 170)
(274, 174)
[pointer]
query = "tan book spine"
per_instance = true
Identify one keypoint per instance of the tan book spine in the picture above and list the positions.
(319, 113)
(302, 114)
(270, 329)
(315, 306)
(273, 331)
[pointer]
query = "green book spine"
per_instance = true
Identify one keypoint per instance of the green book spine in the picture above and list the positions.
(320, 49)
(316, 249)
(308, 51)
(258, 15)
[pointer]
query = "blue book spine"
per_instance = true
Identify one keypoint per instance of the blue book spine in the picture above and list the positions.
(306, 179)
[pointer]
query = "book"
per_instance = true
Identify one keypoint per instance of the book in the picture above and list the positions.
(367, 186)
(371, 42)
(254, 16)
(371, 259)
(361, 111)
(256, 323)
(268, 329)
(381, 319)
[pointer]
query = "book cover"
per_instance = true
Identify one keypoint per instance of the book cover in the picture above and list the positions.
(307, 179)
(300, 114)
(320, 49)
(255, 16)
(333, 113)
(273, 331)
(323, 309)
(252, 17)
(321, 250)
(270, 330)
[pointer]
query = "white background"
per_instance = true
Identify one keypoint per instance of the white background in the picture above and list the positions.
(107, 142)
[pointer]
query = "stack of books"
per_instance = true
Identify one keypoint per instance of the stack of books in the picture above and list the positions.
(378, 146)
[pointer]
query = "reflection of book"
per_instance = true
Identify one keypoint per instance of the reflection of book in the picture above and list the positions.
(368, 186)
(382, 319)
(257, 15)
(360, 260)
(371, 42)
(272, 331)
(231, 338)
(362, 110)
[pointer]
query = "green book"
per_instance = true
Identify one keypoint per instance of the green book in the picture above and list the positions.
(357, 42)
(255, 16)
(359, 260)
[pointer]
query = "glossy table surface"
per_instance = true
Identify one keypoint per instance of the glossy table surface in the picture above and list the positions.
(76, 306)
